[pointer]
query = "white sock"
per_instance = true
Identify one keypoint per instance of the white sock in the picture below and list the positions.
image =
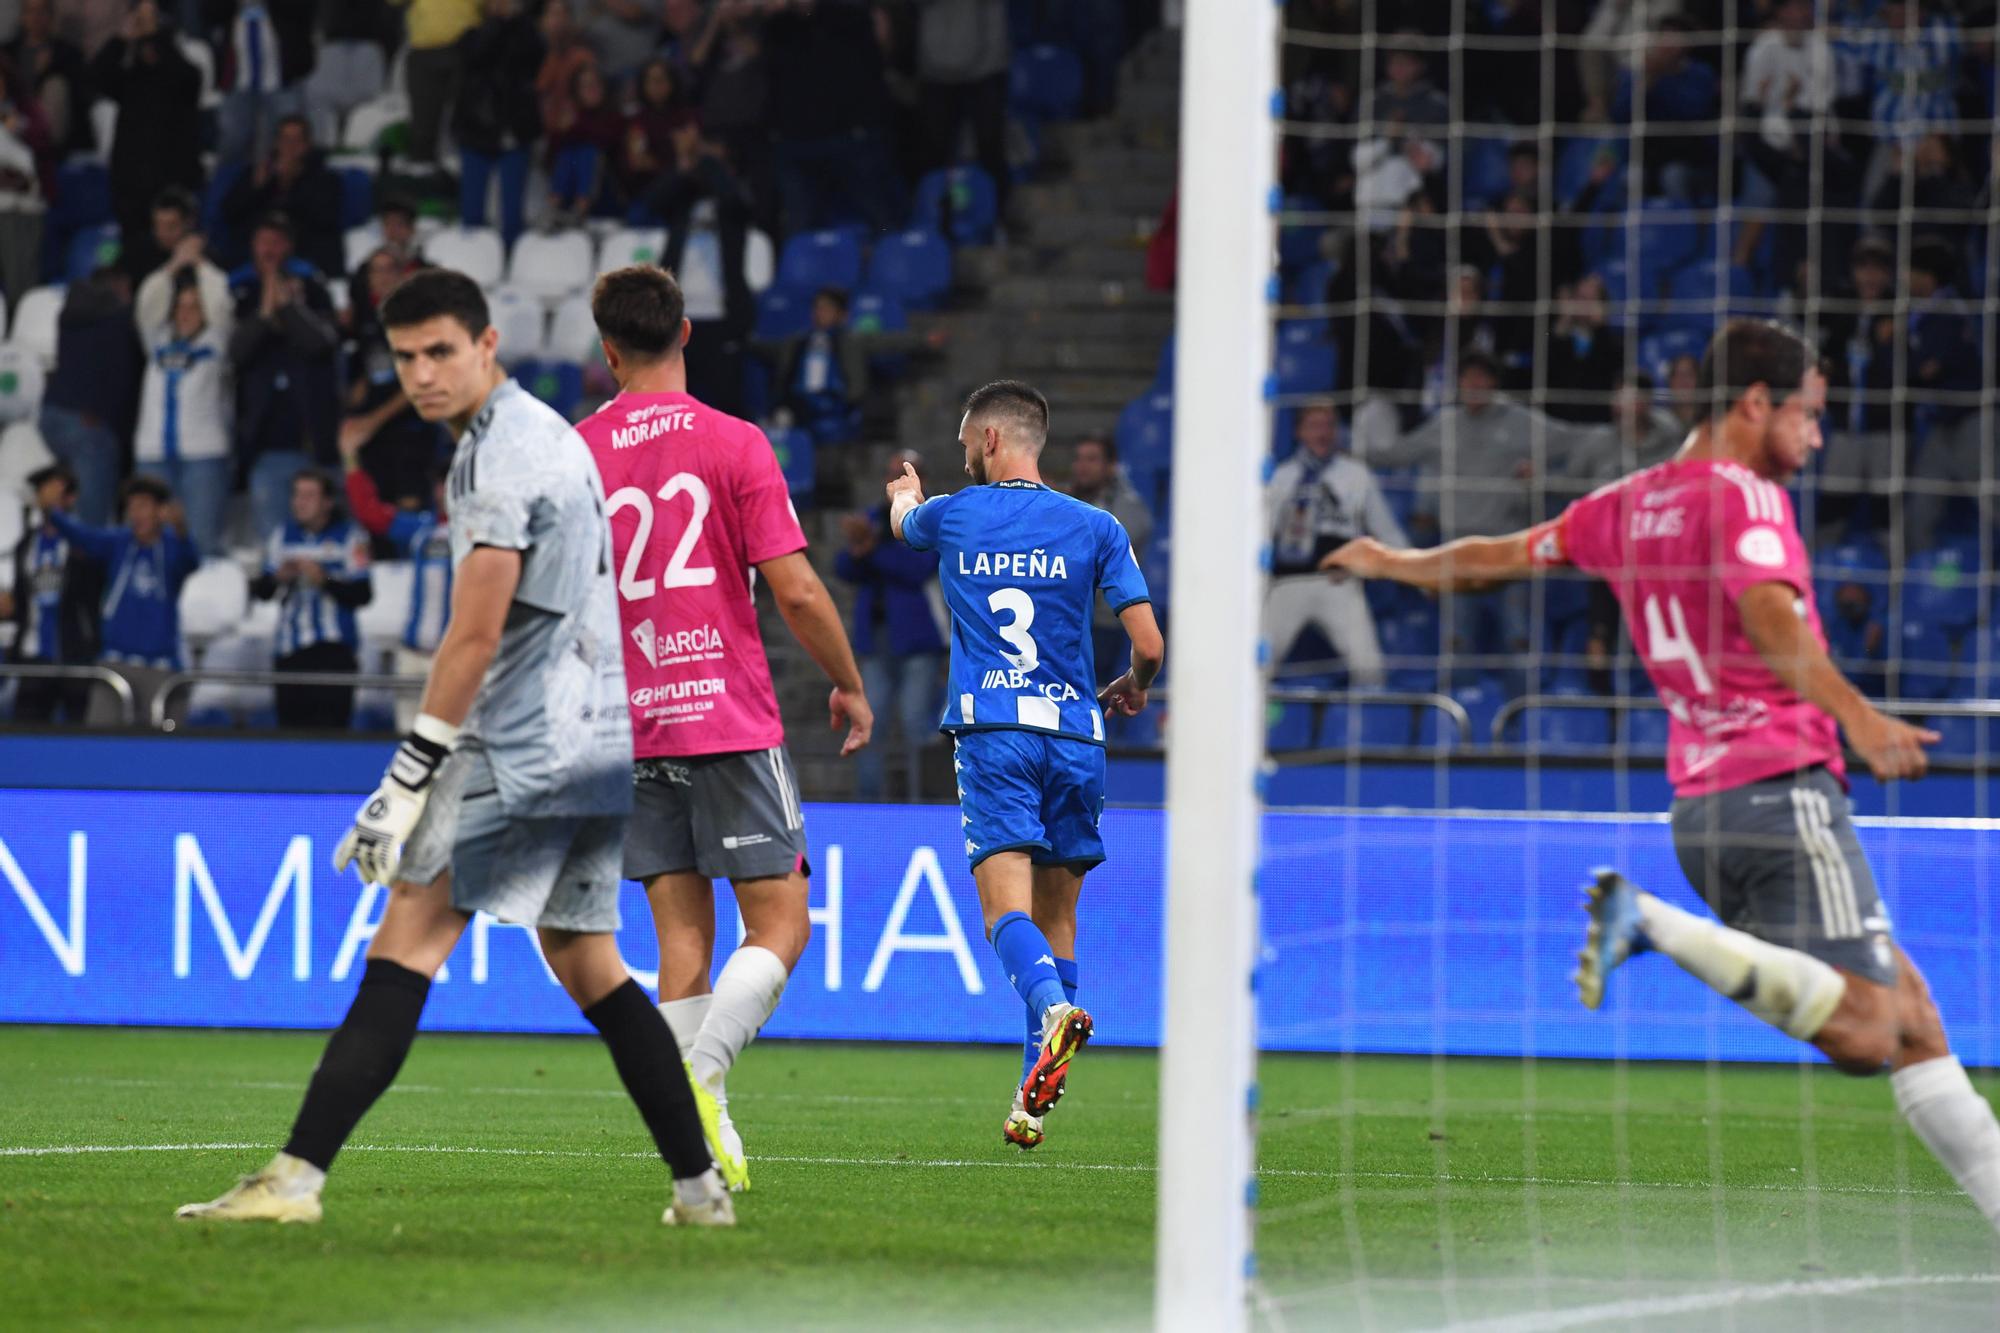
(1956, 1124)
(1793, 992)
(704, 1188)
(685, 1017)
(745, 994)
(295, 1177)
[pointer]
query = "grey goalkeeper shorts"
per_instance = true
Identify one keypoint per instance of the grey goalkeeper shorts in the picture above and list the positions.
(723, 816)
(556, 871)
(1779, 859)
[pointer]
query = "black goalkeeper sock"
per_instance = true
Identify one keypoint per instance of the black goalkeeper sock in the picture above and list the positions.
(361, 1059)
(649, 1063)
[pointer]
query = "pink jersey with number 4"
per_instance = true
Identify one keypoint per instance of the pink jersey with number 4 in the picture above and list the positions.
(1679, 544)
(695, 498)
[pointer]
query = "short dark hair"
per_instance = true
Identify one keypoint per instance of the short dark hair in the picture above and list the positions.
(62, 472)
(1474, 358)
(318, 477)
(1934, 255)
(1744, 352)
(1640, 380)
(1019, 404)
(144, 484)
(294, 119)
(395, 203)
(436, 293)
(178, 199)
(1677, 22)
(275, 220)
(639, 310)
(837, 295)
(1102, 441)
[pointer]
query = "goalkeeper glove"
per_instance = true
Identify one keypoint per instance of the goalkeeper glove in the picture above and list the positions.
(375, 844)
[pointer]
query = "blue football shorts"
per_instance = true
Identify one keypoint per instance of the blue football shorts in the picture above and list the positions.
(1032, 792)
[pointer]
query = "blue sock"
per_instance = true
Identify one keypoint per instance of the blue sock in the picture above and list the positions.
(1066, 972)
(1029, 962)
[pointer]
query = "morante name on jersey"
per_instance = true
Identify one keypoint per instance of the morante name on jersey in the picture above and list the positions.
(1036, 564)
(625, 438)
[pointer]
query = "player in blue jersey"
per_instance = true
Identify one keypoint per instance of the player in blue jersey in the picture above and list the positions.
(1022, 566)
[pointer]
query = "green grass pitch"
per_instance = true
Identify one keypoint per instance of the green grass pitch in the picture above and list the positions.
(507, 1184)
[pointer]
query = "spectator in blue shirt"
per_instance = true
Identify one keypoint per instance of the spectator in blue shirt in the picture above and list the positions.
(53, 604)
(1677, 87)
(898, 614)
(1944, 383)
(822, 373)
(145, 562)
(316, 564)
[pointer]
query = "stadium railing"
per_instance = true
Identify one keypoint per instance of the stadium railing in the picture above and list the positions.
(128, 705)
(185, 680)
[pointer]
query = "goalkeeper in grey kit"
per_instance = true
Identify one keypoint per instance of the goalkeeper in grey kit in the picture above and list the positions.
(516, 776)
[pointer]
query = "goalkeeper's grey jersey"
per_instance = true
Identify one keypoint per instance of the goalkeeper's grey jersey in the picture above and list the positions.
(551, 713)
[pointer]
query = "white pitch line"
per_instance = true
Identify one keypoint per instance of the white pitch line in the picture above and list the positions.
(1620, 1312)
(1423, 1178)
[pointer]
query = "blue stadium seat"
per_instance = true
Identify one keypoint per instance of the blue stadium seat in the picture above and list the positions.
(1305, 359)
(794, 448)
(1861, 562)
(1364, 725)
(1305, 284)
(1140, 731)
(90, 249)
(1927, 667)
(1658, 352)
(557, 383)
(1569, 729)
(83, 196)
(1574, 160)
(826, 258)
(1299, 243)
(874, 313)
(782, 314)
(1670, 235)
(1145, 432)
(1941, 586)
(1481, 701)
(357, 196)
(960, 201)
(1288, 727)
(912, 266)
(1645, 729)
(1047, 81)
(1483, 168)
(1959, 737)
(1163, 373)
(1616, 275)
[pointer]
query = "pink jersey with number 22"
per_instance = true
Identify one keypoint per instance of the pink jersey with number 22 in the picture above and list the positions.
(695, 498)
(1679, 544)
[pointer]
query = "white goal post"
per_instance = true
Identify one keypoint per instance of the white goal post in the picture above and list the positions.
(1228, 161)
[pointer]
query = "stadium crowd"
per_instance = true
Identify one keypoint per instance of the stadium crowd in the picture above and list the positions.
(1508, 232)
(205, 202)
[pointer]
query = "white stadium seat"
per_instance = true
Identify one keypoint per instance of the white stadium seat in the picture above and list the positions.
(388, 610)
(360, 242)
(21, 381)
(551, 266)
(104, 124)
(573, 333)
(23, 453)
(760, 260)
(366, 122)
(240, 651)
(214, 600)
(518, 316)
(473, 251)
(631, 245)
(35, 320)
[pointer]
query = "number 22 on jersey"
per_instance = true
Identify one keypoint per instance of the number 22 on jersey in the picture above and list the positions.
(678, 574)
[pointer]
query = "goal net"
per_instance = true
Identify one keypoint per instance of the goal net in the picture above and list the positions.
(1506, 232)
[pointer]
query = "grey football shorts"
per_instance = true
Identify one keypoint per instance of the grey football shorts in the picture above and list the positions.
(556, 871)
(1779, 859)
(723, 816)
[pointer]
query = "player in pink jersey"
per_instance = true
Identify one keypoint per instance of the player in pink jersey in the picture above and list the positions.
(1704, 556)
(696, 502)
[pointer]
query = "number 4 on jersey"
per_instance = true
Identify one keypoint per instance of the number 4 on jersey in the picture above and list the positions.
(1668, 640)
(677, 574)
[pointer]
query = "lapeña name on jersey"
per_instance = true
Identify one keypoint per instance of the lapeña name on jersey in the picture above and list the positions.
(1036, 564)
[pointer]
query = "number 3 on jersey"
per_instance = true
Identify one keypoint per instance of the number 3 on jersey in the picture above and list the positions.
(1026, 655)
(631, 586)
(1668, 640)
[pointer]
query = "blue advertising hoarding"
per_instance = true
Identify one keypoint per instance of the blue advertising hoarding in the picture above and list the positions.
(1384, 932)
